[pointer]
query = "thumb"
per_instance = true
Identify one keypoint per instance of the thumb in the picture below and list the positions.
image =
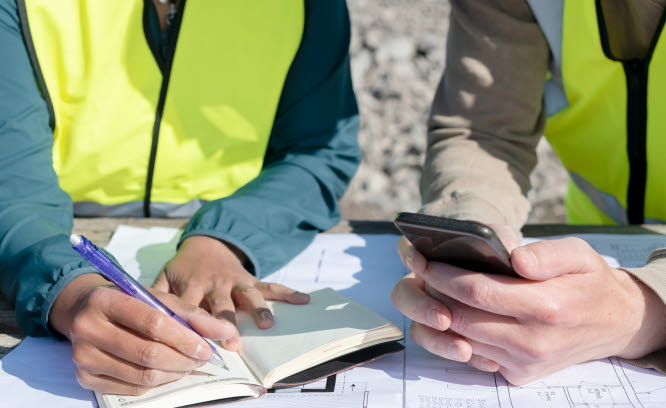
(548, 259)
(509, 237)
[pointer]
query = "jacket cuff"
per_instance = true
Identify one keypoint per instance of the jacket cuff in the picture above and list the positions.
(652, 275)
(65, 276)
(471, 209)
(655, 361)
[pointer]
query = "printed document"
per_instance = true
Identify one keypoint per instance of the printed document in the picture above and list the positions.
(363, 268)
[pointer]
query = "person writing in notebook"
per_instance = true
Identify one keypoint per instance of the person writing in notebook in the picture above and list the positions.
(590, 75)
(229, 113)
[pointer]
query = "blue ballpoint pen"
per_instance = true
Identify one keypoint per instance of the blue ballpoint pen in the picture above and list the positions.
(127, 284)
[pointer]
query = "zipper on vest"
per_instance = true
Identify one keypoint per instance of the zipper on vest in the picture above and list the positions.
(166, 74)
(637, 77)
(636, 73)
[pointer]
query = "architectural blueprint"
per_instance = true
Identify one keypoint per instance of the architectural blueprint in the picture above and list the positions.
(364, 268)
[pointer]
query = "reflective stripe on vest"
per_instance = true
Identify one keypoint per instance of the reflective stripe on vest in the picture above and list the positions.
(210, 112)
(589, 128)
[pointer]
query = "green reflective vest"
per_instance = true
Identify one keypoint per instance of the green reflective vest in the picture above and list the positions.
(133, 138)
(606, 118)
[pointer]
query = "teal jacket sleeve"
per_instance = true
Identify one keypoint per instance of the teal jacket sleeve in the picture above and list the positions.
(312, 153)
(36, 260)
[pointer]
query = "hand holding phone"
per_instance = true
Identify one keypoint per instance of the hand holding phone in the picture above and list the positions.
(465, 244)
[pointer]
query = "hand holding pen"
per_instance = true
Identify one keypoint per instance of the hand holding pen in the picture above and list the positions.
(123, 346)
(131, 287)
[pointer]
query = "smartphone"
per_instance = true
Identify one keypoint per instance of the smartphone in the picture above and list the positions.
(465, 244)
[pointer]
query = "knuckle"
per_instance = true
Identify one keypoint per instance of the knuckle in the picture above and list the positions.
(80, 357)
(476, 293)
(515, 377)
(428, 271)
(218, 302)
(459, 321)
(273, 287)
(153, 323)
(550, 313)
(147, 354)
(99, 297)
(455, 350)
(84, 379)
(149, 377)
(247, 292)
(538, 350)
(85, 326)
(136, 390)
(80, 328)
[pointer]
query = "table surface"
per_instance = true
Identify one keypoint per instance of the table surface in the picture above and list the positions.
(99, 230)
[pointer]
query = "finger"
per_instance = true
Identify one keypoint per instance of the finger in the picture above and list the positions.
(413, 260)
(193, 294)
(129, 346)
(201, 321)
(161, 282)
(483, 364)
(109, 385)
(409, 297)
(151, 323)
(551, 258)
(492, 354)
(222, 307)
(251, 300)
(501, 331)
(498, 294)
(100, 363)
(275, 291)
(509, 237)
(442, 343)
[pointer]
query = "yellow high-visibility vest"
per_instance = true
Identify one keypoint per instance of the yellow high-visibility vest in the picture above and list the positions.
(606, 118)
(125, 128)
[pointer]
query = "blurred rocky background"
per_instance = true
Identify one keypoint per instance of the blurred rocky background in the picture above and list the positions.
(397, 55)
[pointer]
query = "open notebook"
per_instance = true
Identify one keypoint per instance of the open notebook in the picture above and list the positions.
(307, 343)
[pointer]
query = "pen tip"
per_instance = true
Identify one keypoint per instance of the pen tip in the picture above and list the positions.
(217, 361)
(75, 239)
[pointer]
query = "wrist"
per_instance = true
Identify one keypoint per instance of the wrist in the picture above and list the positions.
(66, 303)
(227, 249)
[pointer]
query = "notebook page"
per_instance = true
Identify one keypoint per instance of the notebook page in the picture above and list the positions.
(301, 328)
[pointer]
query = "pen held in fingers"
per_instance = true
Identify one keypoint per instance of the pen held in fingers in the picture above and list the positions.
(113, 272)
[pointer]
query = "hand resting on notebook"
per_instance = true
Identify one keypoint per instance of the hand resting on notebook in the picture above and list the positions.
(209, 273)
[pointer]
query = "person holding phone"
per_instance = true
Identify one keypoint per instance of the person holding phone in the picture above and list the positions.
(239, 115)
(590, 76)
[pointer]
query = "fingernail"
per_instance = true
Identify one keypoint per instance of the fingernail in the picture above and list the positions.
(202, 353)
(435, 319)
(454, 353)
(265, 316)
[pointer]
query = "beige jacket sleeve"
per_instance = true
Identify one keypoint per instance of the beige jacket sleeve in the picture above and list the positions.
(487, 115)
(486, 120)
